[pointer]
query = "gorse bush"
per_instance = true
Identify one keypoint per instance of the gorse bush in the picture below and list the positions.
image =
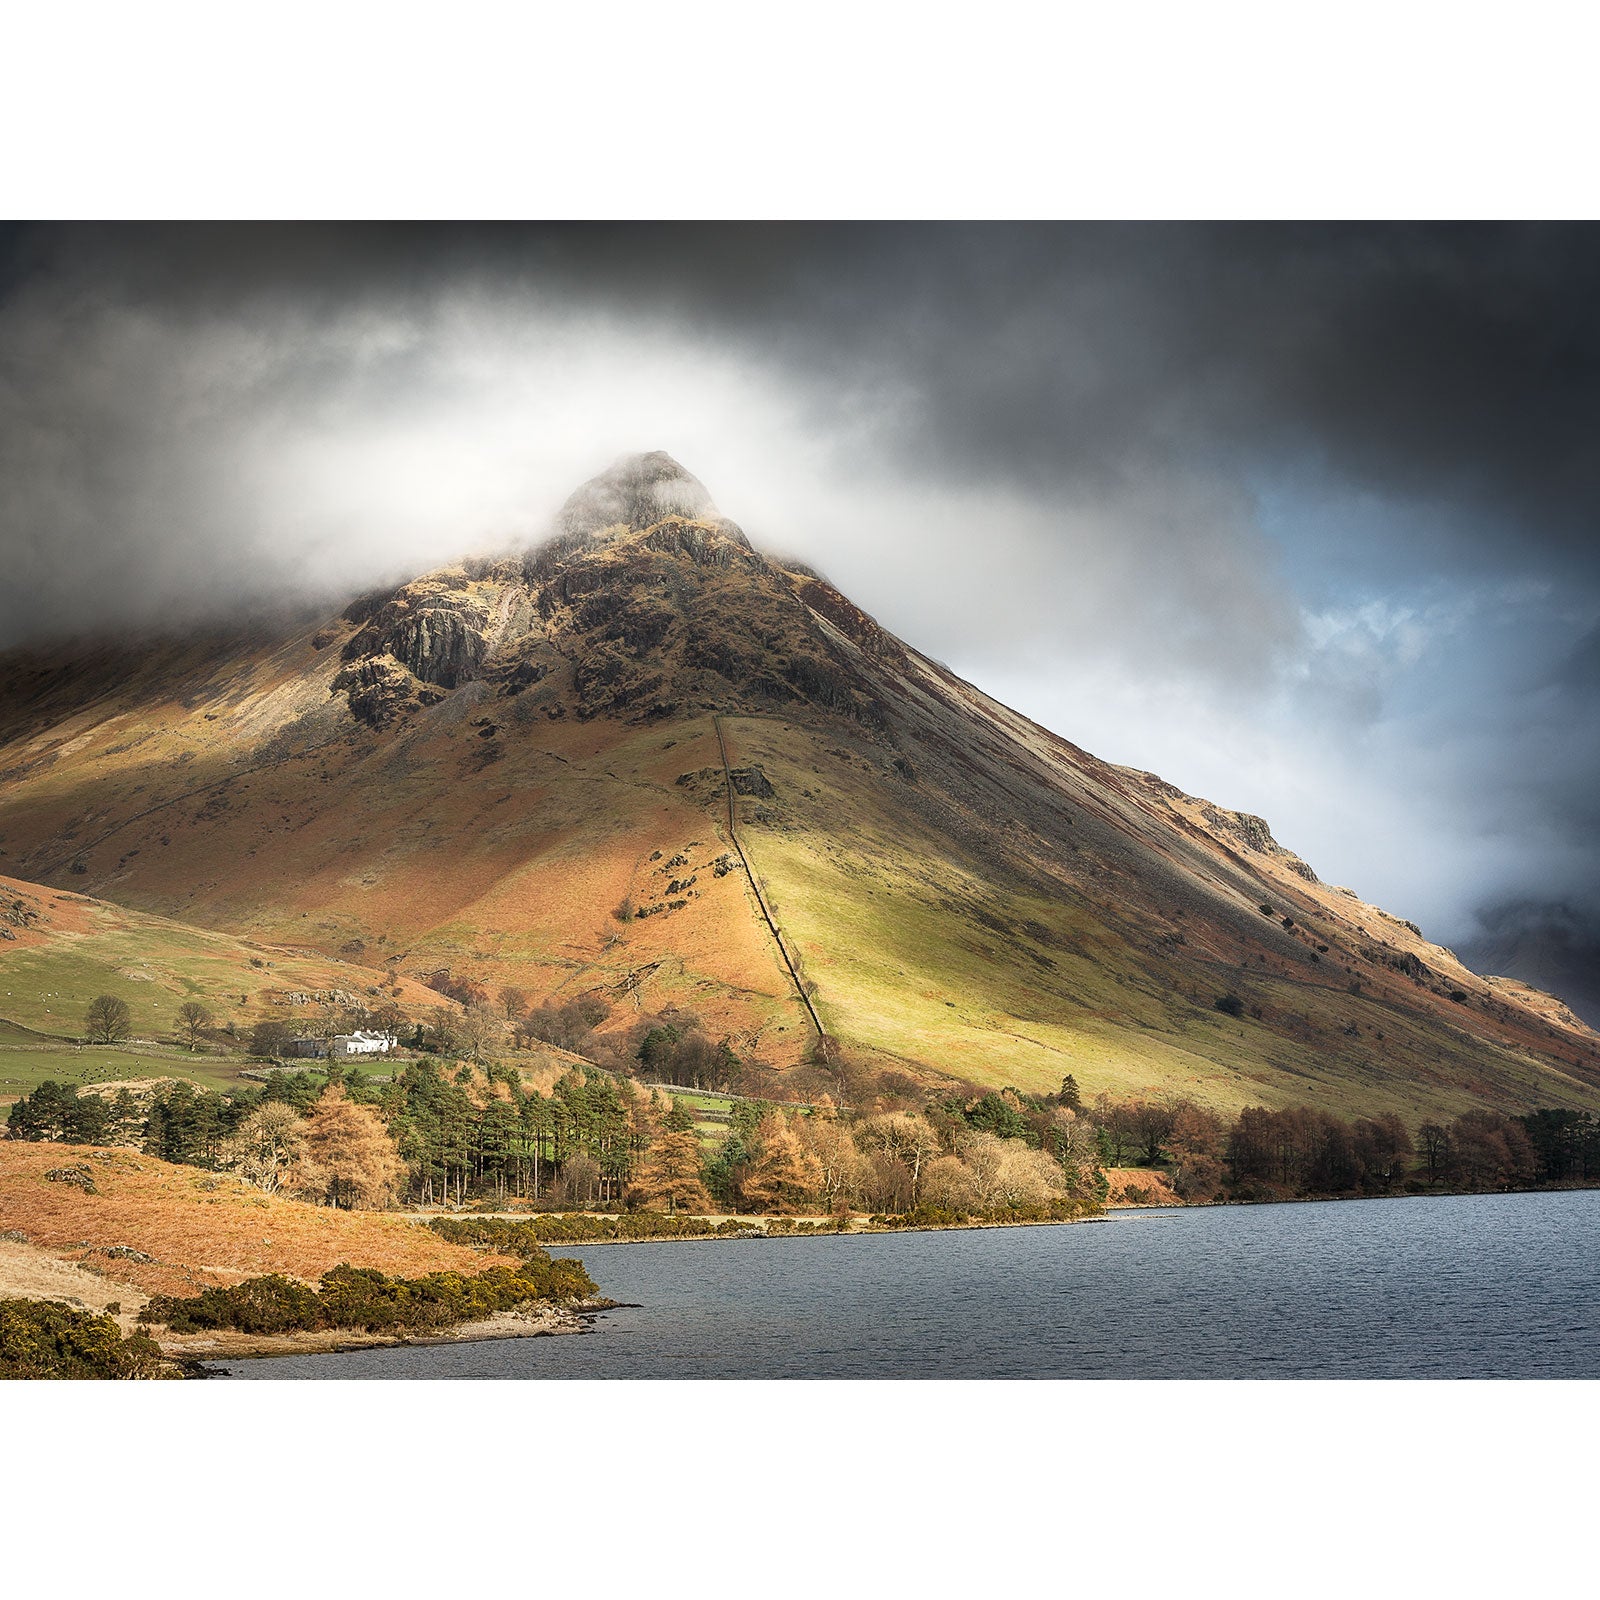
(358, 1298)
(45, 1339)
(1065, 1209)
(498, 1233)
(563, 1227)
(274, 1304)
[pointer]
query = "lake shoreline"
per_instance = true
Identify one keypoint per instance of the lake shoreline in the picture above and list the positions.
(556, 1246)
(197, 1353)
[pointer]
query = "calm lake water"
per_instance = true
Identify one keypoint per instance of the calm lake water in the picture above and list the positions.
(1494, 1286)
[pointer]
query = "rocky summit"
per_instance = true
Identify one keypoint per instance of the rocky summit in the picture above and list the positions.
(647, 762)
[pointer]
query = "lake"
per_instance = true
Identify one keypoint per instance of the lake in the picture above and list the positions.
(1484, 1286)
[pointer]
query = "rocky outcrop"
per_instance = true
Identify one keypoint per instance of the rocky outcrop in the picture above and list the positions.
(414, 645)
(439, 638)
(379, 689)
(442, 642)
(752, 781)
(1254, 834)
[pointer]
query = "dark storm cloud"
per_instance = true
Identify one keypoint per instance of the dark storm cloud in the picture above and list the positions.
(1454, 365)
(1302, 515)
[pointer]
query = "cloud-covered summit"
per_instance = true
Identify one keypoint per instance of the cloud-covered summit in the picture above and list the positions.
(634, 492)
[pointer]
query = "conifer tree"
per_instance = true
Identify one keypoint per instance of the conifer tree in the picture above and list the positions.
(352, 1159)
(784, 1176)
(671, 1173)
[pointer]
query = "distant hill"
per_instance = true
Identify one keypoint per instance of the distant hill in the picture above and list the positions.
(524, 771)
(1551, 946)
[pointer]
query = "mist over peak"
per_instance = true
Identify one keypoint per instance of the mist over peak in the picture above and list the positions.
(636, 492)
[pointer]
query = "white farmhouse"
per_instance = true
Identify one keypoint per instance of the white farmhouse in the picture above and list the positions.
(344, 1046)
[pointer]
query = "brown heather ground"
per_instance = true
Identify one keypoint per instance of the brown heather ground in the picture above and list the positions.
(1138, 1186)
(201, 1228)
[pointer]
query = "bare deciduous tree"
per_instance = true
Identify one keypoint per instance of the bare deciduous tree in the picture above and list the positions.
(193, 1020)
(108, 1019)
(268, 1148)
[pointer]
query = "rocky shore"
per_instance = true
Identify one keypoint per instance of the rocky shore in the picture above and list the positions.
(535, 1322)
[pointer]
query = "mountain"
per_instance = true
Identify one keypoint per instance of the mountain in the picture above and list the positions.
(1550, 946)
(647, 762)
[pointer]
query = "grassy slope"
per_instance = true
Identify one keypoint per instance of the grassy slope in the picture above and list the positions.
(71, 948)
(880, 910)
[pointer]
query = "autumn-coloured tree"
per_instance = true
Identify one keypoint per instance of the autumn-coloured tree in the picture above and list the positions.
(1490, 1151)
(948, 1183)
(1006, 1172)
(671, 1173)
(1196, 1143)
(784, 1176)
(193, 1020)
(350, 1158)
(844, 1171)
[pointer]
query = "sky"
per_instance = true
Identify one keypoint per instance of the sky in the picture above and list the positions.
(1301, 517)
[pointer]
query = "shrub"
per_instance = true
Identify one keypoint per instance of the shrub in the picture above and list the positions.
(515, 1238)
(273, 1304)
(1229, 1004)
(46, 1339)
(577, 1228)
(360, 1298)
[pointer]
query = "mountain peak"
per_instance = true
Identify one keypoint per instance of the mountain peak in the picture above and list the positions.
(637, 492)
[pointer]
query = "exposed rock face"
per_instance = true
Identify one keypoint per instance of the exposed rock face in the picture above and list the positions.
(441, 643)
(438, 638)
(752, 781)
(645, 600)
(379, 689)
(1254, 834)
